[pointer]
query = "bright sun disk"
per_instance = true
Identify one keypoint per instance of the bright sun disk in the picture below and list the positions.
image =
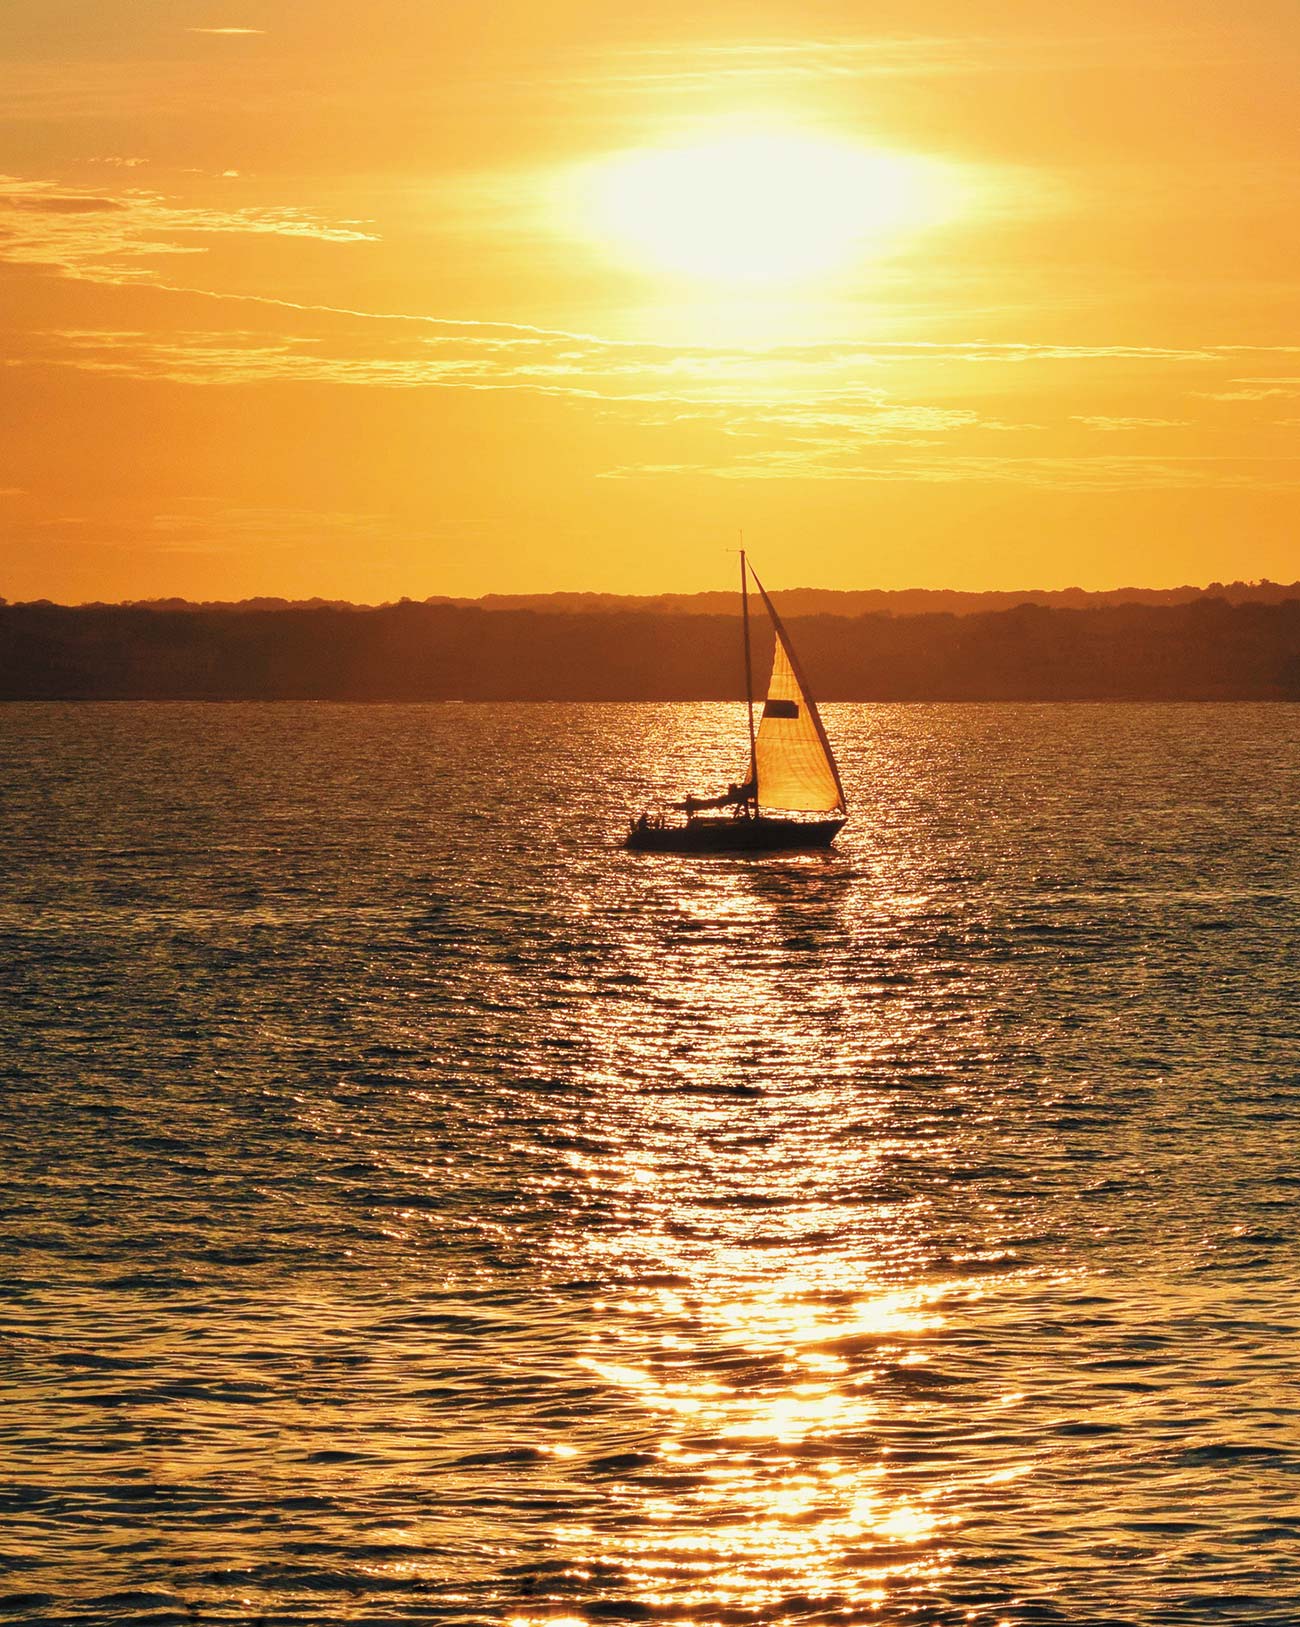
(761, 207)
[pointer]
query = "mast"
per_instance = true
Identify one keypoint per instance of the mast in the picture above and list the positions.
(749, 677)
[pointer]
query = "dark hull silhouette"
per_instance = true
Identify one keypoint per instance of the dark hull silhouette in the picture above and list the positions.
(761, 835)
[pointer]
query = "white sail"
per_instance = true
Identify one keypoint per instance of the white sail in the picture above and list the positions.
(795, 767)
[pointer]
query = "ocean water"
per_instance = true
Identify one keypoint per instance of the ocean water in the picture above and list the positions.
(416, 1208)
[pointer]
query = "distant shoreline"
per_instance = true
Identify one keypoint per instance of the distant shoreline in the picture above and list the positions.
(801, 601)
(1206, 649)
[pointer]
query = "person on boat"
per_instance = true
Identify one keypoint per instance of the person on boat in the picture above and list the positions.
(735, 796)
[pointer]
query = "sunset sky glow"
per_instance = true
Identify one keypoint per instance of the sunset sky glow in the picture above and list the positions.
(370, 301)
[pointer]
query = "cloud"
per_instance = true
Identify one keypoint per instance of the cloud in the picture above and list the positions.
(1105, 422)
(704, 66)
(109, 237)
(830, 426)
(804, 388)
(60, 204)
(1255, 393)
(1255, 389)
(808, 388)
(1057, 473)
(455, 359)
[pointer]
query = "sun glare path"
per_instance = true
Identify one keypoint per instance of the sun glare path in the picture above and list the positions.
(761, 207)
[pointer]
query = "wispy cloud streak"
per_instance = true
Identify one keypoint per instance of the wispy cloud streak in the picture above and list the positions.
(1111, 424)
(1081, 474)
(106, 237)
(709, 65)
(787, 378)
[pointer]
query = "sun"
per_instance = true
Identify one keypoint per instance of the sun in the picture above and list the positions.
(760, 207)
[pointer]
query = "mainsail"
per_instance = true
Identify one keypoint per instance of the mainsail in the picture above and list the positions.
(793, 762)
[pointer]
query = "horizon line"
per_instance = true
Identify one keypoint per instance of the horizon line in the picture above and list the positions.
(1024, 594)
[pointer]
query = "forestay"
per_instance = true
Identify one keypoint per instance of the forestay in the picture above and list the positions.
(795, 768)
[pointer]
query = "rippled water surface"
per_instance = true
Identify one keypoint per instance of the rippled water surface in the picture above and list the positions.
(418, 1208)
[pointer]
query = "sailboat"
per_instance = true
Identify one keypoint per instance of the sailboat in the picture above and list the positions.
(792, 797)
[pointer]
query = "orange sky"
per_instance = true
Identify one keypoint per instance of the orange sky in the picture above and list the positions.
(362, 300)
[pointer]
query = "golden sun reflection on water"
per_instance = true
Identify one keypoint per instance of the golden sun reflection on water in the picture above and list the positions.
(780, 1293)
(763, 1417)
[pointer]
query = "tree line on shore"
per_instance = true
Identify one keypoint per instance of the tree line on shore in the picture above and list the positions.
(793, 601)
(1204, 649)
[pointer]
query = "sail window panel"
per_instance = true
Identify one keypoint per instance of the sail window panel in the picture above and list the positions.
(794, 772)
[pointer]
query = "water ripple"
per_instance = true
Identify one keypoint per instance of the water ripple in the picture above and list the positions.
(416, 1208)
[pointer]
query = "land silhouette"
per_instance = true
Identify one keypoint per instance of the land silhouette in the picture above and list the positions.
(795, 601)
(1231, 645)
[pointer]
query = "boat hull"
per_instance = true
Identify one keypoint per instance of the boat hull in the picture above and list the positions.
(735, 836)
